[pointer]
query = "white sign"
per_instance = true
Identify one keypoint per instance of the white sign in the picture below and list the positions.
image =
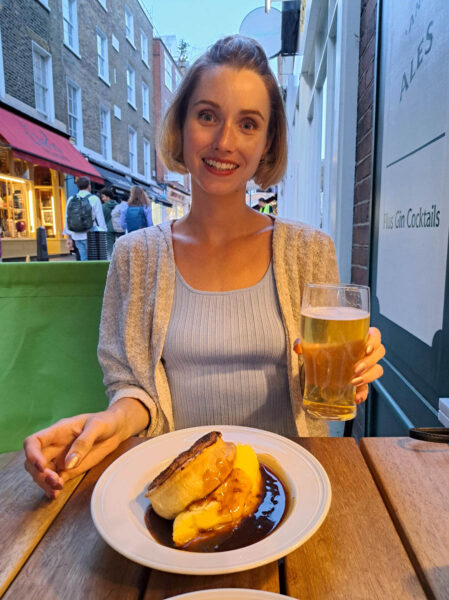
(414, 190)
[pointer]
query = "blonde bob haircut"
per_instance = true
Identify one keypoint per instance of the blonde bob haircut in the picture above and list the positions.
(238, 52)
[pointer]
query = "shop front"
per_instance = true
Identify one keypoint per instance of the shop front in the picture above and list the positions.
(33, 164)
(180, 201)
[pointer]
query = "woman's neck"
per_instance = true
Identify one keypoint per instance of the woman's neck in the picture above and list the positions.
(220, 219)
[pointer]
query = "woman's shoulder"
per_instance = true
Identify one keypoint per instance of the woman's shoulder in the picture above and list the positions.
(288, 230)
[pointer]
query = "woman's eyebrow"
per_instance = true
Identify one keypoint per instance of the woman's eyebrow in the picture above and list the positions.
(249, 111)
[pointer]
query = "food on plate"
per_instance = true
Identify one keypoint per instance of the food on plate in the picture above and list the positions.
(236, 498)
(192, 475)
(215, 496)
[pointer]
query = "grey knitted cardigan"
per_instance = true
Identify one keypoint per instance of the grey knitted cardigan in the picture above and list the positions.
(137, 305)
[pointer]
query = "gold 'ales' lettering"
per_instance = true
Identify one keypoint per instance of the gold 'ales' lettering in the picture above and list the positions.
(333, 340)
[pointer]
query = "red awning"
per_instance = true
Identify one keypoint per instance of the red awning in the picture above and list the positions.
(41, 146)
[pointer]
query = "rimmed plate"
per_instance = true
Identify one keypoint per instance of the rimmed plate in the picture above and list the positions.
(231, 594)
(118, 502)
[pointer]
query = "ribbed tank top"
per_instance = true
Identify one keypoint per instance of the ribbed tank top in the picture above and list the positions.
(225, 358)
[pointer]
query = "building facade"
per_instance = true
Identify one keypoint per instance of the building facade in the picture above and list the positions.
(81, 70)
(167, 77)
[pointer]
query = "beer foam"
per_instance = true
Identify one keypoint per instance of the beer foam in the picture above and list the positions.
(335, 313)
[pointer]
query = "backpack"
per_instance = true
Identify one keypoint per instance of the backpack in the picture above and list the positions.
(135, 218)
(79, 214)
(115, 219)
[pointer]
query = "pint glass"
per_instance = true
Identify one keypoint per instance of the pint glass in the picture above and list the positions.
(333, 331)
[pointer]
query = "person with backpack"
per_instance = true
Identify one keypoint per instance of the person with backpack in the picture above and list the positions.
(109, 203)
(137, 213)
(83, 213)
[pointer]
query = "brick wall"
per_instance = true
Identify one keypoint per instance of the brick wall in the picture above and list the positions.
(22, 21)
(363, 172)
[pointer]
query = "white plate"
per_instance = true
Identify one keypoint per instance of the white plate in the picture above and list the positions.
(118, 502)
(231, 594)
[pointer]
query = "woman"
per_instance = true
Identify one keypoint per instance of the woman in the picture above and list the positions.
(136, 214)
(182, 340)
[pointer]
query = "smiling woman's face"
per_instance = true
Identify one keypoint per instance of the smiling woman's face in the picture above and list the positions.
(225, 131)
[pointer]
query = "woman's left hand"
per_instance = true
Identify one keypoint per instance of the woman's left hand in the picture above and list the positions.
(367, 369)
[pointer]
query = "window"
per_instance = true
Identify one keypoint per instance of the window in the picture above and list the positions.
(103, 4)
(2, 73)
(146, 158)
(74, 112)
(132, 148)
(70, 21)
(178, 78)
(144, 46)
(43, 82)
(115, 43)
(168, 73)
(105, 132)
(129, 25)
(44, 3)
(102, 56)
(145, 102)
(131, 86)
(117, 112)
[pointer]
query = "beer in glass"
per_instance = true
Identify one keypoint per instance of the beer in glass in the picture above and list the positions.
(333, 331)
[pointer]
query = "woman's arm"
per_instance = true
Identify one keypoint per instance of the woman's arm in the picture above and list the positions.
(74, 445)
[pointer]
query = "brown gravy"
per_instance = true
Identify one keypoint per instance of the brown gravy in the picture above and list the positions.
(251, 530)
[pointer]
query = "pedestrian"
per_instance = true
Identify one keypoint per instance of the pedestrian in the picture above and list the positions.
(181, 339)
(109, 203)
(83, 213)
(136, 214)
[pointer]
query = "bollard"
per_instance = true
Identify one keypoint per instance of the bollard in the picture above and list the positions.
(41, 239)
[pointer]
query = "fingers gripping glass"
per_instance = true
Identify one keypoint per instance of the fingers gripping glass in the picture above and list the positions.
(333, 330)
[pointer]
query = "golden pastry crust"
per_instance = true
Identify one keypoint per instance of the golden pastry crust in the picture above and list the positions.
(192, 475)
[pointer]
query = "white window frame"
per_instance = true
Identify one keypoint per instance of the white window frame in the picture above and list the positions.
(101, 37)
(132, 150)
(168, 75)
(105, 133)
(44, 3)
(103, 4)
(178, 78)
(2, 72)
(129, 25)
(131, 86)
(73, 5)
(50, 114)
(144, 47)
(323, 123)
(145, 101)
(146, 158)
(78, 114)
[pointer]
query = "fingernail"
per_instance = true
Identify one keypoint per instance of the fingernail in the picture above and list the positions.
(357, 381)
(71, 461)
(369, 349)
(360, 369)
(39, 467)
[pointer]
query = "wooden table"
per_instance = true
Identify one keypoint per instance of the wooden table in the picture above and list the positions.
(51, 550)
(413, 478)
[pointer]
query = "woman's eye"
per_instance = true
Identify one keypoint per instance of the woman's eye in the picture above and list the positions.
(249, 125)
(206, 116)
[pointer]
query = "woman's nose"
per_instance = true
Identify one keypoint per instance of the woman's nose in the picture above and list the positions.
(225, 138)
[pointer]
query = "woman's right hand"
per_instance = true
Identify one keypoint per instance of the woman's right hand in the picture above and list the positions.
(72, 446)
